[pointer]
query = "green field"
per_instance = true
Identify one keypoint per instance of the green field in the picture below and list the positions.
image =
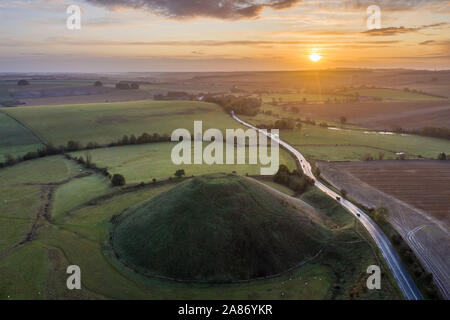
(107, 122)
(393, 94)
(21, 189)
(349, 144)
(36, 270)
(255, 234)
(15, 139)
(153, 161)
(299, 97)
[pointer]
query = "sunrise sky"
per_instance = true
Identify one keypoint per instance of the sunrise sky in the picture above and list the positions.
(221, 35)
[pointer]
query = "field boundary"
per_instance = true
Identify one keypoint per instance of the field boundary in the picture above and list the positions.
(37, 136)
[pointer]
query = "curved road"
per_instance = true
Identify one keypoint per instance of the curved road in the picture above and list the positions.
(404, 280)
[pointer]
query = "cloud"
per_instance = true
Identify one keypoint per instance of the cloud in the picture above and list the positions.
(187, 9)
(386, 5)
(392, 31)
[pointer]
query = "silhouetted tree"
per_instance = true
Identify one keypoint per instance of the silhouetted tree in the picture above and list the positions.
(118, 180)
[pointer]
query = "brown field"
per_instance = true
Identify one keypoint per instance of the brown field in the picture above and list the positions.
(385, 115)
(417, 195)
(422, 184)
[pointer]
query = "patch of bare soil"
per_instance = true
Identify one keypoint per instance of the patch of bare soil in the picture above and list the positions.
(417, 196)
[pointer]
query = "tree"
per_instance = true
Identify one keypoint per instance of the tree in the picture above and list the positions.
(23, 82)
(133, 139)
(179, 173)
(10, 160)
(367, 157)
(125, 140)
(343, 120)
(73, 146)
(344, 193)
(118, 180)
(98, 84)
(442, 156)
(380, 155)
(88, 159)
(134, 85)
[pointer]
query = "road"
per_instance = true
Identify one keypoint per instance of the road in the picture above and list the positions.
(401, 275)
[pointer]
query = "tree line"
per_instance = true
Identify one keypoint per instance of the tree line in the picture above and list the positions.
(296, 180)
(72, 146)
(244, 105)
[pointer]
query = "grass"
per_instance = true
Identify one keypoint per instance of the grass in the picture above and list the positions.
(298, 97)
(351, 145)
(15, 140)
(139, 163)
(255, 234)
(394, 94)
(17, 207)
(26, 270)
(20, 194)
(316, 136)
(44, 170)
(77, 192)
(80, 238)
(107, 122)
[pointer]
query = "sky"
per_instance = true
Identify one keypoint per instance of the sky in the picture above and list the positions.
(222, 35)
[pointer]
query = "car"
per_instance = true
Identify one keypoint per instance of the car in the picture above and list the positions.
(358, 215)
(338, 198)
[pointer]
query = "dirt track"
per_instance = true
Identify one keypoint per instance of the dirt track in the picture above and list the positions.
(43, 212)
(427, 234)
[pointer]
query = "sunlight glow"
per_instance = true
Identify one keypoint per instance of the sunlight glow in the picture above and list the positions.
(315, 57)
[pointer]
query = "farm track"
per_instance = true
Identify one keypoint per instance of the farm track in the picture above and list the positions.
(43, 213)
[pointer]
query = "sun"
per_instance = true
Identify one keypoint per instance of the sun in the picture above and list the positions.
(315, 57)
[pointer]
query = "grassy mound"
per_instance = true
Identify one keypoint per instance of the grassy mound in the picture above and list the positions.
(215, 228)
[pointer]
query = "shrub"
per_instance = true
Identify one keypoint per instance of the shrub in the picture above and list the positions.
(23, 83)
(118, 180)
(180, 173)
(442, 156)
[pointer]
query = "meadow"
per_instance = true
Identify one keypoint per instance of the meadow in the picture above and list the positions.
(15, 139)
(107, 122)
(302, 97)
(36, 270)
(393, 94)
(139, 163)
(350, 143)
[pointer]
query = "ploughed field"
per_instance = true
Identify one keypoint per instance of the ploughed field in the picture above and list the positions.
(377, 115)
(423, 184)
